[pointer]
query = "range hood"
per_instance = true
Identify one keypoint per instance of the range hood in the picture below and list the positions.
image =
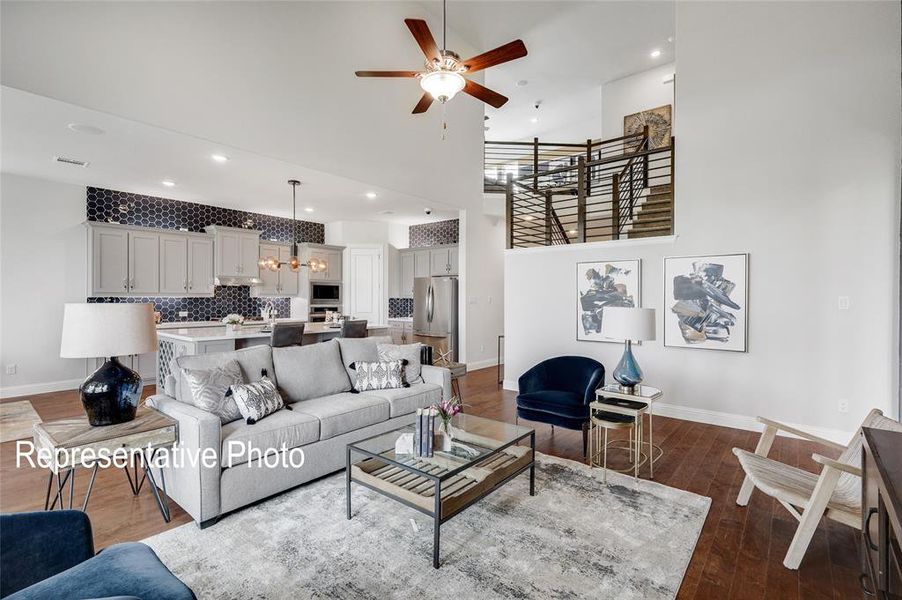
(236, 280)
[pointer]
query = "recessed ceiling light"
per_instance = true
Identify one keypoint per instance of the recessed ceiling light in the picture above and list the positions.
(220, 158)
(522, 83)
(371, 195)
(87, 129)
(168, 183)
(655, 53)
(308, 209)
(534, 120)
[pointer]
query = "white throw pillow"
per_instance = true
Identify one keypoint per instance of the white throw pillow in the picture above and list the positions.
(257, 400)
(384, 375)
(209, 390)
(409, 352)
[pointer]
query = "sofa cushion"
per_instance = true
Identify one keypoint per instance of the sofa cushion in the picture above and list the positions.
(408, 352)
(131, 569)
(341, 413)
(284, 428)
(382, 375)
(404, 401)
(563, 404)
(251, 360)
(210, 390)
(312, 371)
(360, 349)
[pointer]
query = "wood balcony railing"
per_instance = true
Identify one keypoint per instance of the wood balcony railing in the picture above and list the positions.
(573, 193)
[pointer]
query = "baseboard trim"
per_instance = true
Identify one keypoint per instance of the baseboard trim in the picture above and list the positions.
(15, 391)
(724, 419)
(482, 364)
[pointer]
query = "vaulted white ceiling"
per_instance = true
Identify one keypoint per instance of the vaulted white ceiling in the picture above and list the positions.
(274, 83)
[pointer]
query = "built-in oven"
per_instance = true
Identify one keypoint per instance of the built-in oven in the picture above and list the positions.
(325, 293)
(318, 312)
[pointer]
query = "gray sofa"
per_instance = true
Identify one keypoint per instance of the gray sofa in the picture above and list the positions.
(315, 381)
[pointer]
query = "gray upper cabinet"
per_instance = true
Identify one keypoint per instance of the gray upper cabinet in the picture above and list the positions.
(333, 257)
(236, 256)
(109, 264)
(425, 262)
(143, 262)
(406, 274)
(421, 266)
(131, 261)
(200, 265)
(288, 279)
(443, 261)
(283, 282)
(173, 264)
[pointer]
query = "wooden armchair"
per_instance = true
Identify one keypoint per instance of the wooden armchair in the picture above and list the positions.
(835, 493)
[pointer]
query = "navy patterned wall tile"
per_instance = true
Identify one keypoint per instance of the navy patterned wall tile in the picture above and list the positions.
(434, 234)
(226, 300)
(400, 307)
(148, 211)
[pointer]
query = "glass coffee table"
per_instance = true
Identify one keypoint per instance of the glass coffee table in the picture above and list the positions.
(484, 456)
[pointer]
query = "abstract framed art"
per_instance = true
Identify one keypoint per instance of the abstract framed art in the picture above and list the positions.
(600, 284)
(706, 302)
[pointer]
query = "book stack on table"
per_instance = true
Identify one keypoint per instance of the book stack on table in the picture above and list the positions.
(424, 430)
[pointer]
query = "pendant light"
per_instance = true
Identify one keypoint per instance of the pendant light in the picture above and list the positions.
(272, 263)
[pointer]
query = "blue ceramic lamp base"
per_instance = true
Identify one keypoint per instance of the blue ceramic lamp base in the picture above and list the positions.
(627, 373)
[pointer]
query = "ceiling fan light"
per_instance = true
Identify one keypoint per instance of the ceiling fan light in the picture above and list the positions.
(442, 85)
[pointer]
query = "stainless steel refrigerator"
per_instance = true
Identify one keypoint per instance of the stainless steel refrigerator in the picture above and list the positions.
(435, 310)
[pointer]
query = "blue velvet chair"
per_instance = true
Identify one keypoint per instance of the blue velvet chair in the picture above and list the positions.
(558, 391)
(50, 555)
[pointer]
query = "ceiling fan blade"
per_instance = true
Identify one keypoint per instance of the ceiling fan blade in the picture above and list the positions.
(423, 36)
(386, 73)
(424, 104)
(485, 94)
(501, 54)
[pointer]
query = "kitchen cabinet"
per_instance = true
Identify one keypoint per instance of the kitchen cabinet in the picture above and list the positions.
(443, 261)
(143, 263)
(406, 275)
(421, 263)
(332, 255)
(109, 262)
(283, 282)
(136, 261)
(173, 264)
(237, 252)
(200, 265)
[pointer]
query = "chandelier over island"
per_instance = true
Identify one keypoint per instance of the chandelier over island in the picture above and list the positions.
(272, 263)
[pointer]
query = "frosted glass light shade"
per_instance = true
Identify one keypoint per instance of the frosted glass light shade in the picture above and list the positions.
(442, 85)
(636, 324)
(104, 330)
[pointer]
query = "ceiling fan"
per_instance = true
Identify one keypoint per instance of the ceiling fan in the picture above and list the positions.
(444, 74)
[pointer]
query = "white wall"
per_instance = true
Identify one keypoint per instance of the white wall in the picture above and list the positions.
(806, 97)
(481, 290)
(42, 266)
(366, 232)
(642, 91)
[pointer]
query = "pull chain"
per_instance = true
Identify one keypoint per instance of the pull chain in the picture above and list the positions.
(444, 123)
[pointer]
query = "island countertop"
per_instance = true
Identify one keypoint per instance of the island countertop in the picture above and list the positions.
(246, 332)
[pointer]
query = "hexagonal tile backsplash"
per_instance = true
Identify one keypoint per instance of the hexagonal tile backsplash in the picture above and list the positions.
(113, 206)
(434, 234)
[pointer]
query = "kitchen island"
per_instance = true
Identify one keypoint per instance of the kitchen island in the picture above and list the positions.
(205, 339)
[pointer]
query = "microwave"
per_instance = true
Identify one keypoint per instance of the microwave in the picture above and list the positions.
(325, 293)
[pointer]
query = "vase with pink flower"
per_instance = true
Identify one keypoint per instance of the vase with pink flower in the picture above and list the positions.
(445, 411)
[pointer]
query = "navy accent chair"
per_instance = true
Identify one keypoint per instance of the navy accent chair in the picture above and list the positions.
(50, 555)
(558, 391)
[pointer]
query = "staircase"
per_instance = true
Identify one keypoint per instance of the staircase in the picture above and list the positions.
(574, 193)
(655, 215)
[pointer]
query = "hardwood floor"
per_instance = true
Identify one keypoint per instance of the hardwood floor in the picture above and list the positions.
(739, 554)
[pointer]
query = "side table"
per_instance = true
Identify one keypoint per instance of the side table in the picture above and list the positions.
(612, 399)
(73, 443)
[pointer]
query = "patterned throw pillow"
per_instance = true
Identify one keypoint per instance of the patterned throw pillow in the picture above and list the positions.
(409, 353)
(383, 375)
(257, 400)
(209, 390)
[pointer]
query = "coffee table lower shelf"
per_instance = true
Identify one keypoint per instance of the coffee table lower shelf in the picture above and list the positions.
(421, 485)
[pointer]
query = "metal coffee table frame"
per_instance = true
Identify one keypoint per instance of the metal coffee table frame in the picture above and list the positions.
(436, 513)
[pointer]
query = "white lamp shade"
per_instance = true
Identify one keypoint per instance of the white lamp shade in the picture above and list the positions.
(104, 330)
(636, 324)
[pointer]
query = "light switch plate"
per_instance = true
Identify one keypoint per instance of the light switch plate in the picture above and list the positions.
(843, 303)
(183, 313)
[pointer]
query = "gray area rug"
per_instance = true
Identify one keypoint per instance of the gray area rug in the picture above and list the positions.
(577, 538)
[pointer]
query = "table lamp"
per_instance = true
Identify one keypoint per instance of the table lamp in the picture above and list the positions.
(110, 394)
(629, 325)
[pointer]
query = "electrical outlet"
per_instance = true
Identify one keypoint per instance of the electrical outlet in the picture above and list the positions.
(843, 303)
(482, 347)
(183, 313)
(843, 406)
(489, 299)
(11, 369)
